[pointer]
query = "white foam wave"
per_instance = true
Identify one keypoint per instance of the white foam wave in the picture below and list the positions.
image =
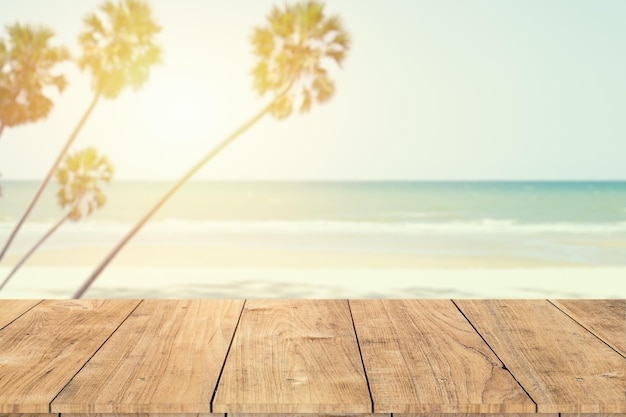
(407, 228)
(484, 226)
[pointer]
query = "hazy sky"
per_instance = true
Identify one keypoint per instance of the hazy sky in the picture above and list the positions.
(480, 89)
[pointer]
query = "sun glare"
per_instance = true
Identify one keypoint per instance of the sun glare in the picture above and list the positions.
(179, 111)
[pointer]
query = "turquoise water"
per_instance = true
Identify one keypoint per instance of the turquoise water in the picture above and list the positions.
(524, 203)
(576, 222)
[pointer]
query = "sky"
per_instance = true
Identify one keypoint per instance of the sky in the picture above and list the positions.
(430, 90)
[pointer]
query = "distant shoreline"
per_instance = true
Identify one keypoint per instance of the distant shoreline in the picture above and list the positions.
(164, 181)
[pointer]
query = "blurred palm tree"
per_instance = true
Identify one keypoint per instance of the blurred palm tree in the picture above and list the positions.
(27, 61)
(118, 50)
(293, 53)
(80, 177)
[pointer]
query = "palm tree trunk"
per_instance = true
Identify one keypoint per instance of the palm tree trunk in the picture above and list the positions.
(34, 248)
(227, 141)
(68, 143)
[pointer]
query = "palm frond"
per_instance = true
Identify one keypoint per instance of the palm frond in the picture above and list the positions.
(341, 41)
(95, 25)
(324, 88)
(305, 106)
(262, 42)
(337, 56)
(282, 107)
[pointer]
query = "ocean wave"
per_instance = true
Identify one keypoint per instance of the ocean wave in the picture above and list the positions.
(344, 227)
(483, 226)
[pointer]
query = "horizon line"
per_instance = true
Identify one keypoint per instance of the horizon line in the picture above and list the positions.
(344, 180)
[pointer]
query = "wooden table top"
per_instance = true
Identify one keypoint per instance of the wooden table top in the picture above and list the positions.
(313, 356)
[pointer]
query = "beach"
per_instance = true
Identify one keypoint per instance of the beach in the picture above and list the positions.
(233, 283)
(174, 272)
(331, 240)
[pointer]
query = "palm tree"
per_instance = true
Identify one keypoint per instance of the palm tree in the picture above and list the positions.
(118, 50)
(80, 178)
(27, 61)
(293, 52)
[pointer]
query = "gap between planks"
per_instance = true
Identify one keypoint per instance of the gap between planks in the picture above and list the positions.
(230, 345)
(97, 350)
(495, 353)
(604, 326)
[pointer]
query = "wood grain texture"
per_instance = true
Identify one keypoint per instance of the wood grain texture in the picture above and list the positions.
(476, 415)
(562, 366)
(294, 356)
(422, 356)
(604, 318)
(28, 415)
(12, 309)
(307, 415)
(137, 415)
(43, 349)
(593, 415)
(166, 358)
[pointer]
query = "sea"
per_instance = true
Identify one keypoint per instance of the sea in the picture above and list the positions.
(573, 223)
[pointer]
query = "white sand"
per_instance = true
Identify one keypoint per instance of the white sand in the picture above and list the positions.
(171, 282)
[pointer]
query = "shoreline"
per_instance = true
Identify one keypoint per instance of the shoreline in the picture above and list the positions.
(228, 283)
(276, 258)
(201, 271)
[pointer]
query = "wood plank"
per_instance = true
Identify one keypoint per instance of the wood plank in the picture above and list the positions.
(593, 415)
(563, 367)
(294, 356)
(166, 358)
(135, 415)
(28, 415)
(604, 318)
(12, 309)
(422, 356)
(308, 415)
(43, 349)
(476, 415)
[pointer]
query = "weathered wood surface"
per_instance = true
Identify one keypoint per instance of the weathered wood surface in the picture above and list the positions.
(131, 415)
(593, 415)
(604, 318)
(294, 356)
(563, 367)
(476, 415)
(44, 348)
(165, 358)
(424, 357)
(175, 358)
(305, 415)
(28, 415)
(12, 309)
